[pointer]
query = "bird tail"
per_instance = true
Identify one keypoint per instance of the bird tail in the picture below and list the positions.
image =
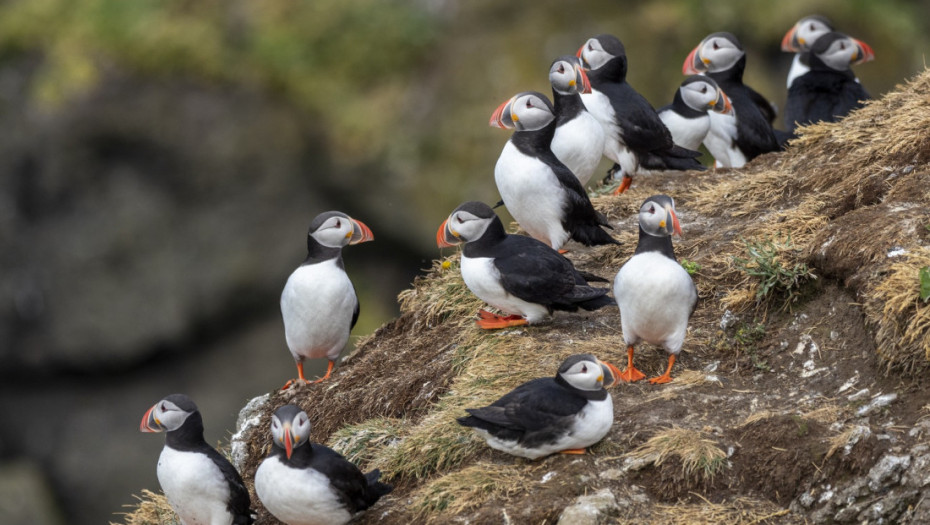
(598, 303)
(592, 235)
(675, 158)
(376, 488)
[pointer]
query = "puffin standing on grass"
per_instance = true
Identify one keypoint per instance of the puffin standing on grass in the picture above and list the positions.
(541, 193)
(200, 484)
(721, 57)
(566, 413)
(799, 39)
(579, 137)
(687, 116)
(655, 294)
(829, 91)
(516, 274)
(637, 140)
(303, 483)
(318, 304)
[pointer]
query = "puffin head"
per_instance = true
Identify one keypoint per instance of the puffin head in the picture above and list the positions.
(805, 32)
(466, 223)
(586, 372)
(702, 93)
(526, 111)
(600, 50)
(567, 76)
(335, 229)
(717, 52)
(838, 51)
(290, 428)
(168, 414)
(657, 216)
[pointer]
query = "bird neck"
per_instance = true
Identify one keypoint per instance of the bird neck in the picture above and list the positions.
(482, 246)
(188, 436)
(652, 243)
(301, 457)
(566, 105)
(316, 252)
(613, 71)
(733, 74)
(684, 109)
(536, 143)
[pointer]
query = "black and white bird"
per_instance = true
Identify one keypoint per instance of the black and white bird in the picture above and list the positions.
(542, 194)
(721, 57)
(655, 294)
(799, 39)
(518, 275)
(304, 483)
(687, 116)
(579, 137)
(566, 413)
(318, 304)
(829, 91)
(200, 484)
(637, 141)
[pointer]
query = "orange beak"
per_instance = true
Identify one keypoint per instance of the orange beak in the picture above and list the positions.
(693, 64)
(148, 423)
(676, 226)
(612, 371)
(789, 43)
(288, 442)
(585, 82)
(723, 104)
(360, 232)
(865, 53)
(444, 237)
(501, 117)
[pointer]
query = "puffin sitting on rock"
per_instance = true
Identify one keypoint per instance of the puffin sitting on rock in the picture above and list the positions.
(304, 483)
(655, 294)
(519, 275)
(566, 413)
(200, 484)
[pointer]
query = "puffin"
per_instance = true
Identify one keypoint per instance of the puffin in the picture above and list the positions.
(565, 414)
(304, 483)
(655, 294)
(200, 484)
(318, 303)
(829, 91)
(721, 57)
(516, 274)
(542, 194)
(579, 137)
(687, 116)
(637, 140)
(799, 39)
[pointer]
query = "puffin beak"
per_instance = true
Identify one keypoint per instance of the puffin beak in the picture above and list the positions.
(360, 232)
(502, 116)
(722, 105)
(288, 441)
(864, 53)
(581, 77)
(149, 423)
(789, 43)
(676, 226)
(693, 64)
(611, 374)
(445, 238)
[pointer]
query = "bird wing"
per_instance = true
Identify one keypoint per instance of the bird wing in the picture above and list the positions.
(640, 125)
(533, 271)
(346, 479)
(239, 495)
(532, 406)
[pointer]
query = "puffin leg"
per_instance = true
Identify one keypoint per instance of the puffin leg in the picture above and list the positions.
(300, 376)
(329, 370)
(666, 377)
(578, 451)
(631, 373)
(501, 322)
(624, 184)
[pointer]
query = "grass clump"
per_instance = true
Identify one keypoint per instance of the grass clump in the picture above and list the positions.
(440, 295)
(152, 509)
(466, 490)
(700, 456)
(360, 443)
(765, 261)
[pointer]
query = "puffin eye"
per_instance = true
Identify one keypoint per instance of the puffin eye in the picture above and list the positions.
(163, 407)
(338, 223)
(704, 89)
(561, 68)
(652, 209)
(584, 369)
(716, 47)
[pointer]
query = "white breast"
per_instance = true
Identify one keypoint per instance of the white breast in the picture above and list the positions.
(317, 305)
(797, 69)
(532, 194)
(298, 496)
(686, 132)
(721, 141)
(194, 486)
(655, 295)
(614, 148)
(483, 279)
(579, 144)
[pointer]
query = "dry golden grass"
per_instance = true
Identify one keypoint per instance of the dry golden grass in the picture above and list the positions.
(465, 490)
(700, 457)
(361, 443)
(441, 295)
(740, 511)
(152, 509)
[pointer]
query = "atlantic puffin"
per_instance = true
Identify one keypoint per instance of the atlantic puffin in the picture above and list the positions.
(200, 484)
(318, 304)
(655, 294)
(799, 39)
(514, 273)
(304, 483)
(542, 194)
(829, 91)
(721, 57)
(687, 116)
(579, 137)
(637, 141)
(566, 413)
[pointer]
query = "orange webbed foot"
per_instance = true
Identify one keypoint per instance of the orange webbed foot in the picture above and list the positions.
(503, 322)
(624, 184)
(631, 374)
(578, 451)
(664, 378)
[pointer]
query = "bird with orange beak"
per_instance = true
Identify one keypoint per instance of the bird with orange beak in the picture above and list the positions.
(579, 138)
(799, 39)
(655, 294)
(304, 483)
(319, 304)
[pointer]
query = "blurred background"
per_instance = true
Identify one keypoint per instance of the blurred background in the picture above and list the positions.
(160, 161)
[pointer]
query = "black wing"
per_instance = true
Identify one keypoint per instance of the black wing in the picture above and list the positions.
(531, 407)
(534, 272)
(239, 501)
(346, 479)
(358, 309)
(822, 96)
(766, 107)
(640, 125)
